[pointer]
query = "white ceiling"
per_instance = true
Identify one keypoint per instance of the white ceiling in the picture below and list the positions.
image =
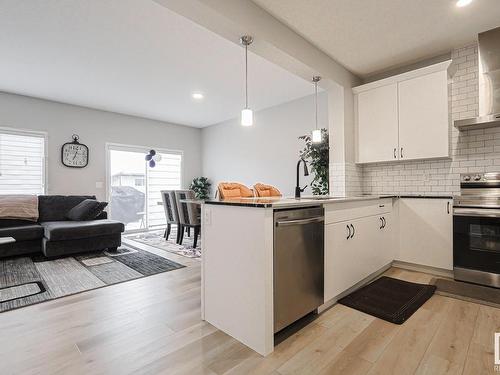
(368, 36)
(133, 57)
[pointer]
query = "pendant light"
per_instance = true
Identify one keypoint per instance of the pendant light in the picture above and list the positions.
(246, 113)
(316, 133)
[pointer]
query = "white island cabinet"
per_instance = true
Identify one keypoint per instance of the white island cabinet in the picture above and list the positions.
(237, 273)
(238, 264)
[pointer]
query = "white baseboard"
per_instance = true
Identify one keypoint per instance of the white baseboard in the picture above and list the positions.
(441, 272)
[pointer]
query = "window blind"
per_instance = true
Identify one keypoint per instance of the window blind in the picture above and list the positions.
(22, 163)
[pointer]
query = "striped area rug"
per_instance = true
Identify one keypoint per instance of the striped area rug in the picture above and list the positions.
(27, 280)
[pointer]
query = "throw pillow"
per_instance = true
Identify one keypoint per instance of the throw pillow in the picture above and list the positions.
(88, 209)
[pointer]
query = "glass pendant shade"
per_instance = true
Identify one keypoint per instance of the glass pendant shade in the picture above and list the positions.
(316, 136)
(246, 117)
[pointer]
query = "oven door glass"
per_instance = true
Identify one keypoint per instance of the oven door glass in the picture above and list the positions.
(476, 243)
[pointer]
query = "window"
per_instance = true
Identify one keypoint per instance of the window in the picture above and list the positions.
(22, 162)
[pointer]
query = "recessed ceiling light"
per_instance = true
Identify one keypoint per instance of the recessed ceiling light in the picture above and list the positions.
(197, 95)
(462, 3)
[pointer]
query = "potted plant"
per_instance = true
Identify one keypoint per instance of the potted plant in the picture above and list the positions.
(317, 156)
(201, 187)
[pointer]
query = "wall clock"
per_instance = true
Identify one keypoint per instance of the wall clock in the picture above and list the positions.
(75, 154)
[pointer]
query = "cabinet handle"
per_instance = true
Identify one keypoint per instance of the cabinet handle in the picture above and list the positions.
(448, 207)
(381, 223)
(385, 222)
(353, 231)
(395, 153)
(401, 152)
(348, 232)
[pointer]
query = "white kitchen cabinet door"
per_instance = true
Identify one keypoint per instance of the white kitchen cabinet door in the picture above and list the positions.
(423, 117)
(387, 242)
(353, 251)
(426, 232)
(377, 124)
(340, 253)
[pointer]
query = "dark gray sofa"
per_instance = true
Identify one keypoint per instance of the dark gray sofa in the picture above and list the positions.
(54, 235)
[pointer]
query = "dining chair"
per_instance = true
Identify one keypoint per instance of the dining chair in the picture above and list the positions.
(189, 214)
(234, 190)
(263, 190)
(171, 212)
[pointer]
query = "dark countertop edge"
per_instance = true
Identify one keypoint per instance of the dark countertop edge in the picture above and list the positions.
(240, 204)
(270, 205)
(424, 196)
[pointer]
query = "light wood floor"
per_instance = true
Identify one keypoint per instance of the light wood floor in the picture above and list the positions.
(153, 326)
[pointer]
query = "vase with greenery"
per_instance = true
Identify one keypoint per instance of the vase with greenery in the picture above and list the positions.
(317, 156)
(201, 187)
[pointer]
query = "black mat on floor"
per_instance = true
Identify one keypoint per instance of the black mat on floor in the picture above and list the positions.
(390, 299)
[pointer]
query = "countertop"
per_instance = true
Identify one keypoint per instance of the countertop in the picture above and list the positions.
(290, 202)
(309, 200)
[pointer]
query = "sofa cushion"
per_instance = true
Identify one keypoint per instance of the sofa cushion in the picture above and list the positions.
(70, 230)
(23, 232)
(88, 209)
(56, 207)
(6, 223)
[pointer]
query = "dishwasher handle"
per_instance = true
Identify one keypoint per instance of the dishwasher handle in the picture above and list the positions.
(318, 219)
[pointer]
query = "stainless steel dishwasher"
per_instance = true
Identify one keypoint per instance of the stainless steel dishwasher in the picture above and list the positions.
(298, 264)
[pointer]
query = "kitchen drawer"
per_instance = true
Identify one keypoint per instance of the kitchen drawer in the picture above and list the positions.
(343, 211)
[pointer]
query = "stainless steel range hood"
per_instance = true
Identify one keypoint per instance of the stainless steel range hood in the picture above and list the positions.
(489, 83)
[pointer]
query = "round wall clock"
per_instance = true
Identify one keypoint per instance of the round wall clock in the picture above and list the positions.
(75, 154)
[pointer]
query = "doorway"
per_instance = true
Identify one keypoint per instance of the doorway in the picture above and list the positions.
(134, 188)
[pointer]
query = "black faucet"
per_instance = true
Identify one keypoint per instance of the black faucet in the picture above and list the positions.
(298, 190)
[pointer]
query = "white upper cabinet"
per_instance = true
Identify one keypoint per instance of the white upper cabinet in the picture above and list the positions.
(404, 117)
(378, 124)
(423, 117)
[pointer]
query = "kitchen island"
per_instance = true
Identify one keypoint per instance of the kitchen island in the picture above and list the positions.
(237, 260)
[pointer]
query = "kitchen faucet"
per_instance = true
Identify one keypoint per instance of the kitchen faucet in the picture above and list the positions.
(298, 190)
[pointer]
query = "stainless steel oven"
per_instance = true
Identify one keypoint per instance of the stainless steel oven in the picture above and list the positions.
(476, 230)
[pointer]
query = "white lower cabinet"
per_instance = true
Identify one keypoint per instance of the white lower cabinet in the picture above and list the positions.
(361, 238)
(383, 241)
(355, 249)
(426, 232)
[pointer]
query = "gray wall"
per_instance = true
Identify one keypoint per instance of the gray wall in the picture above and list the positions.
(95, 128)
(268, 151)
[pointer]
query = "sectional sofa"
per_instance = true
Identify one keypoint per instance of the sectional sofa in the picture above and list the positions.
(55, 235)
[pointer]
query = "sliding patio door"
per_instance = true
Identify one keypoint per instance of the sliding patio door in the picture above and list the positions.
(134, 187)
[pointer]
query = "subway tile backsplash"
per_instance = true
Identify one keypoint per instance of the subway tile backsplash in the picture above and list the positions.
(472, 151)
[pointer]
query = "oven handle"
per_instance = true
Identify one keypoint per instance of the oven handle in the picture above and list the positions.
(477, 212)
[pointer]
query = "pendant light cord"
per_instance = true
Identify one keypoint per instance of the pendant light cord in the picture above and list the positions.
(316, 102)
(246, 75)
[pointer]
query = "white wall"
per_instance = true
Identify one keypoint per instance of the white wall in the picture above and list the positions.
(266, 152)
(95, 128)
